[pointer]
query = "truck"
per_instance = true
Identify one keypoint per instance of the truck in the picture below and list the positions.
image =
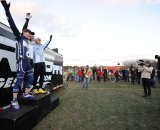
(53, 60)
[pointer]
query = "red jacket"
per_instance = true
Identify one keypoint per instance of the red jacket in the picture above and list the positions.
(79, 73)
(98, 73)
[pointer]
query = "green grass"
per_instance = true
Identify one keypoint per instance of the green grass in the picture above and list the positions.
(109, 106)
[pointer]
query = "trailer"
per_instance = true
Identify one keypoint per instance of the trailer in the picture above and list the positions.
(54, 64)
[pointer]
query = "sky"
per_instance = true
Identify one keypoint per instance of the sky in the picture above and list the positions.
(89, 32)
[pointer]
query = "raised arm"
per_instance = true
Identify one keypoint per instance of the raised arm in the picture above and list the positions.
(25, 26)
(10, 19)
(47, 43)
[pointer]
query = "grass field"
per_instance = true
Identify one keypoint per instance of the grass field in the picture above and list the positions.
(104, 106)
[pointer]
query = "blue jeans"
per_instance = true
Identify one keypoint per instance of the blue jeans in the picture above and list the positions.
(23, 69)
(80, 79)
(76, 78)
(86, 82)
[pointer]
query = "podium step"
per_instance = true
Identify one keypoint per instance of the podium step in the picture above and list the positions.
(54, 102)
(44, 102)
(38, 100)
(24, 119)
(32, 111)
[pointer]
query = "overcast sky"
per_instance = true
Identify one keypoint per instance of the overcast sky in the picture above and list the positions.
(102, 32)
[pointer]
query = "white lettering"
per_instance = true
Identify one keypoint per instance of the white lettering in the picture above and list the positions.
(2, 82)
(57, 69)
(11, 59)
(60, 69)
(47, 77)
(8, 83)
(49, 66)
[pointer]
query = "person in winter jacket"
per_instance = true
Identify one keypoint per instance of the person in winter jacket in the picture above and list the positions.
(146, 76)
(98, 73)
(79, 73)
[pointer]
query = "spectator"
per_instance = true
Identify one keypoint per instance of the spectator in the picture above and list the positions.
(65, 76)
(123, 74)
(98, 73)
(71, 74)
(153, 78)
(94, 72)
(133, 76)
(76, 78)
(79, 73)
(105, 74)
(146, 76)
(87, 75)
(126, 75)
(116, 74)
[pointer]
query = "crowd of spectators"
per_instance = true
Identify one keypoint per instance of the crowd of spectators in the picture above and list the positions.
(102, 74)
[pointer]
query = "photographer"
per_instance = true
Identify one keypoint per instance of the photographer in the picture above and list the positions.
(146, 70)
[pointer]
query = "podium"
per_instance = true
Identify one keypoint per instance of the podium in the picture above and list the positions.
(32, 111)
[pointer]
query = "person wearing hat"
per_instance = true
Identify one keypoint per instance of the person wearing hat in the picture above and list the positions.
(146, 70)
(22, 56)
(138, 72)
(30, 42)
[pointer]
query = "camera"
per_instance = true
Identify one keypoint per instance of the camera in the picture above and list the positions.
(157, 56)
(141, 63)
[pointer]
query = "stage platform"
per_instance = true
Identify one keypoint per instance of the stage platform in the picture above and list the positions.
(32, 111)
